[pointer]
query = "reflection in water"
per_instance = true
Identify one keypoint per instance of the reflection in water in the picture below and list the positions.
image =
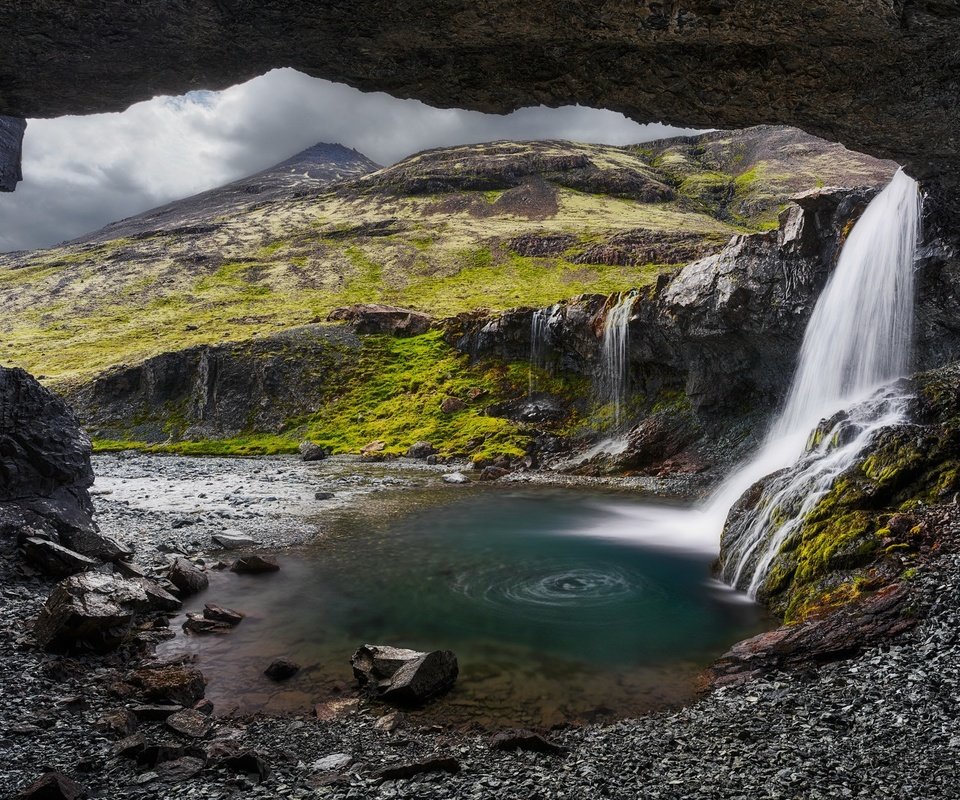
(549, 623)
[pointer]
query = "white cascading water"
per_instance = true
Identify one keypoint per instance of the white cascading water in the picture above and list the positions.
(539, 328)
(614, 351)
(857, 341)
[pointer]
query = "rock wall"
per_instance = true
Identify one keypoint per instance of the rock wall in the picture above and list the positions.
(45, 467)
(878, 76)
(213, 392)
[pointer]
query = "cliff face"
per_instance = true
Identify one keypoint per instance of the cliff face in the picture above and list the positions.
(216, 392)
(877, 76)
(724, 331)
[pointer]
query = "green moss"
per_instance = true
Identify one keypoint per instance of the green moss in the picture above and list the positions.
(395, 393)
(254, 445)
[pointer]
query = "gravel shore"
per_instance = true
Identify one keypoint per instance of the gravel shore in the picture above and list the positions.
(884, 724)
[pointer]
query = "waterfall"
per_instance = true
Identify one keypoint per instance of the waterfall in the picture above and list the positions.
(615, 353)
(539, 328)
(858, 339)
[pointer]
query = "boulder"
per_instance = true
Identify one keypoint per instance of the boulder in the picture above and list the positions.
(173, 683)
(450, 405)
(53, 786)
(54, 559)
(90, 542)
(372, 318)
(493, 473)
(229, 540)
(455, 477)
(406, 677)
(91, 609)
(196, 623)
(254, 564)
(309, 451)
(217, 613)
(160, 599)
(189, 722)
(421, 450)
(131, 746)
(281, 669)
(187, 577)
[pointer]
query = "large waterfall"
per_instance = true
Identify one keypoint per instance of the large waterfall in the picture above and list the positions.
(858, 340)
(615, 350)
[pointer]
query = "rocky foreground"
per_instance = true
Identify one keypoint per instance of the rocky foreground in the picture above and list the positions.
(879, 725)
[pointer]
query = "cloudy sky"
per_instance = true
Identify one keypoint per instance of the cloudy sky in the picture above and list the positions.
(83, 172)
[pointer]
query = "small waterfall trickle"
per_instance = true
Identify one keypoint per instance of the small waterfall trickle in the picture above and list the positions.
(615, 353)
(858, 339)
(539, 330)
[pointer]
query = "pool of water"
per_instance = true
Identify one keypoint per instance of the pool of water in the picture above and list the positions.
(551, 619)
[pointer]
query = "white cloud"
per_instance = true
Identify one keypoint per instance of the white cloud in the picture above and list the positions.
(83, 172)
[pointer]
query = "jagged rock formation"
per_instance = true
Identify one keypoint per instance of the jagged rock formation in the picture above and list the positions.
(11, 138)
(45, 467)
(877, 76)
(213, 392)
(878, 518)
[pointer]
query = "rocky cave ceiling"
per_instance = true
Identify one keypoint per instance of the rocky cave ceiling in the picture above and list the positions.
(881, 76)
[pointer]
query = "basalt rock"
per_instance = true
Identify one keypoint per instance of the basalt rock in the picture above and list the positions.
(215, 391)
(255, 564)
(310, 451)
(170, 683)
(45, 467)
(701, 64)
(406, 677)
(53, 786)
(372, 318)
(188, 578)
(54, 559)
(92, 610)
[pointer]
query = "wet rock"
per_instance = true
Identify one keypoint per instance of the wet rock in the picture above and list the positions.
(406, 677)
(220, 614)
(53, 786)
(309, 451)
(233, 541)
(170, 683)
(839, 634)
(281, 669)
(54, 559)
(388, 722)
(412, 769)
(539, 409)
(455, 477)
(90, 542)
(332, 709)
(187, 577)
(158, 597)
(204, 706)
(323, 495)
(91, 609)
(522, 739)
(450, 405)
(189, 722)
(371, 318)
(493, 473)
(196, 623)
(421, 450)
(254, 564)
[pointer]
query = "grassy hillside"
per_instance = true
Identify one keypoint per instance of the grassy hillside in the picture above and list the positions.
(447, 231)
